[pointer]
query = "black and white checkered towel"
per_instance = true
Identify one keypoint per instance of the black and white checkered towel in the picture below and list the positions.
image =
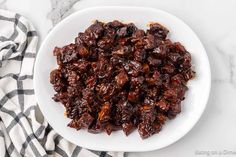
(21, 133)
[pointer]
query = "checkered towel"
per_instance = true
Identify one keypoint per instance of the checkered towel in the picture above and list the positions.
(21, 133)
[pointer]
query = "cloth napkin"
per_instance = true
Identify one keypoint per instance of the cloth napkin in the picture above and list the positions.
(21, 133)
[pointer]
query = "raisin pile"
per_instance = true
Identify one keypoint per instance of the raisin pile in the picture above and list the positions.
(118, 77)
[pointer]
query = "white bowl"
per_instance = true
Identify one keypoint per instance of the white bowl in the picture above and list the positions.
(65, 32)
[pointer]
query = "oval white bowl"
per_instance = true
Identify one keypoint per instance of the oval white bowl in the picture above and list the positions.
(65, 32)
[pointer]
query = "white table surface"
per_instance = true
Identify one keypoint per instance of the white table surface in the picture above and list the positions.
(214, 21)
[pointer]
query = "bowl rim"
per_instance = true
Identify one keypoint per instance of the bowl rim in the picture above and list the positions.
(64, 21)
